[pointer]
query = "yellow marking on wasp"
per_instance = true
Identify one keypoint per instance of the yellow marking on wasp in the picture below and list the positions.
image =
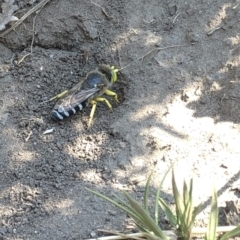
(113, 94)
(114, 74)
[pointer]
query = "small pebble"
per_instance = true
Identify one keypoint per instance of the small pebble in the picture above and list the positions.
(112, 213)
(93, 234)
(58, 168)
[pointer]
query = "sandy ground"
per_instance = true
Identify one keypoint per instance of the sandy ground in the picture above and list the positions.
(179, 102)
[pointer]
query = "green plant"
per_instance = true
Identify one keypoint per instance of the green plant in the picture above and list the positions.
(185, 211)
(182, 219)
(141, 217)
(213, 222)
(145, 223)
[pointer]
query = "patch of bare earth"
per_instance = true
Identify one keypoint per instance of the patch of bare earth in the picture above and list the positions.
(180, 103)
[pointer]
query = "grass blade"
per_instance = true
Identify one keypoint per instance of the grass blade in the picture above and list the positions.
(150, 236)
(134, 214)
(168, 212)
(187, 216)
(146, 219)
(128, 209)
(213, 219)
(231, 234)
(177, 198)
(188, 203)
(158, 194)
(140, 227)
(195, 212)
(146, 193)
(190, 199)
(185, 194)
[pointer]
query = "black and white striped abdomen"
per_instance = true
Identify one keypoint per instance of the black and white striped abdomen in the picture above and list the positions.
(60, 113)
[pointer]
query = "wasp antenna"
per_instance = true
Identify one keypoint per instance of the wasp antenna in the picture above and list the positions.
(46, 101)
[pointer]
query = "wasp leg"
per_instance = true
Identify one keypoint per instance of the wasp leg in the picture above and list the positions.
(62, 94)
(113, 94)
(101, 99)
(94, 105)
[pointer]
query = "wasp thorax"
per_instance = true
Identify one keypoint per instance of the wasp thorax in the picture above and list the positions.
(106, 70)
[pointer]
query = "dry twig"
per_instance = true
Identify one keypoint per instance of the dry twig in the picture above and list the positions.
(29, 135)
(33, 36)
(175, 18)
(145, 55)
(215, 29)
(104, 11)
(34, 9)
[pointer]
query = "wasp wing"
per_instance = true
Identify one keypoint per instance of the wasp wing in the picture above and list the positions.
(74, 98)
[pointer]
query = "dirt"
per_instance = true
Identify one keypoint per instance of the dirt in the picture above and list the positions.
(178, 88)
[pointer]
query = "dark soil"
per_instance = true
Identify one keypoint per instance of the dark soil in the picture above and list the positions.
(179, 102)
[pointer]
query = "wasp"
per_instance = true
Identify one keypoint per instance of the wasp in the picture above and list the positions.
(88, 91)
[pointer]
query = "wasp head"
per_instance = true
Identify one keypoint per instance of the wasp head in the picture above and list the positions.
(110, 72)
